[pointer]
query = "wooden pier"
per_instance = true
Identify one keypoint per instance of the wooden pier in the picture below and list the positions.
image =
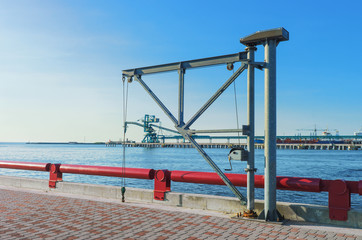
(292, 146)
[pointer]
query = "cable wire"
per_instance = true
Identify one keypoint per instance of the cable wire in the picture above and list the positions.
(236, 111)
(125, 106)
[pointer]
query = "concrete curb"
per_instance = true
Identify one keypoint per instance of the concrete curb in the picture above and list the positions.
(290, 211)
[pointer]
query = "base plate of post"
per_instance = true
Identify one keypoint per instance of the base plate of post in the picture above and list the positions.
(279, 217)
(250, 215)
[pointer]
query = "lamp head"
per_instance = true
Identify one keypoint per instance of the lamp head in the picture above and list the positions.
(258, 38)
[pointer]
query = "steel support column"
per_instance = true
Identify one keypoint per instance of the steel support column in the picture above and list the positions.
(181, 73)
(270, 131)
(250, 122)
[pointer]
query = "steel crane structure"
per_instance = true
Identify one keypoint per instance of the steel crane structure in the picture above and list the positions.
(149, 125)
(270, 40)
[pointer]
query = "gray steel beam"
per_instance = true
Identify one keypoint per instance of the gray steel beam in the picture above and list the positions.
(164, 128)
(251, 123)
(215, 96)
(215, 167)
(270, 131)
(192, 131)
(134, 123)
(156, 99)
(152, 125)
(181, 88)
(203, 62)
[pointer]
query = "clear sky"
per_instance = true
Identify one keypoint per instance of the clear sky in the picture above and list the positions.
(61, 63)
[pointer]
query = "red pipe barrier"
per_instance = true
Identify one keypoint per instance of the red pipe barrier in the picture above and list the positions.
(140, 173)
(284, 183)
(206, 178)
(34, 166)
(299, 184)
(162, 184)
(353, 186)
(339, 200)
(54, 175)
(339, 190)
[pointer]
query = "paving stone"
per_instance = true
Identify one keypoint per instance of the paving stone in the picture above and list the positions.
(27, 215)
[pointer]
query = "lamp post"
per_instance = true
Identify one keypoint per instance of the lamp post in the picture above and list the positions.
(270, 39)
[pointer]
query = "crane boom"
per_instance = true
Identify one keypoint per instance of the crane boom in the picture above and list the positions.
(166, 129)
(148, 125)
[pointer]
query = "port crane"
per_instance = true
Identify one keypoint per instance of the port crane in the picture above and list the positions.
(149, 123)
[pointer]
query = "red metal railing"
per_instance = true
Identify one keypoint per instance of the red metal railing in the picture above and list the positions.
(339, 197)
(283, 183)
(57, 170)
(25, 165)
(140, 173)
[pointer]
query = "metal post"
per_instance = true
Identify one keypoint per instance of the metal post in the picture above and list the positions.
(270, 131)
(181, 73)
(250, 122)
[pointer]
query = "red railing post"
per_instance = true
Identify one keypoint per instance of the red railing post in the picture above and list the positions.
(339, 200)
(54, 175)
(340, 191)
(162, 184)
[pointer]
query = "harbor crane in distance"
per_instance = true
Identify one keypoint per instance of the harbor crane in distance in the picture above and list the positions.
(149, 123)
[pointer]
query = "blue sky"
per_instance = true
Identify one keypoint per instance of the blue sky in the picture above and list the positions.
(61, 63)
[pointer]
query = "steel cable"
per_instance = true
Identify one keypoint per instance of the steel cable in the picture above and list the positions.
(125, 106)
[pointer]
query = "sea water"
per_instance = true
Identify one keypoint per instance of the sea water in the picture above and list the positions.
(324, 164)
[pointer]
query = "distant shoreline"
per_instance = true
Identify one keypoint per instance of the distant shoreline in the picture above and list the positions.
(64, 143)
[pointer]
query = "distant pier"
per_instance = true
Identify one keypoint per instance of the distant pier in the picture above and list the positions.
(292, 146)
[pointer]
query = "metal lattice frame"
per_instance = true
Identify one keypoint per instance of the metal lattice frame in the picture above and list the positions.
(182, 127)
(269, 39)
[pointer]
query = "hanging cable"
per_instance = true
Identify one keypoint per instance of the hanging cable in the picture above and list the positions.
(125, 105)
(236, 112)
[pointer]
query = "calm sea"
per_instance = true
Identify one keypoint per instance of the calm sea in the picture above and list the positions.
(333, 164)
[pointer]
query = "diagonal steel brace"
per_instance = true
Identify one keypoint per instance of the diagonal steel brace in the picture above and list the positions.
(183, 130)
(215, 167)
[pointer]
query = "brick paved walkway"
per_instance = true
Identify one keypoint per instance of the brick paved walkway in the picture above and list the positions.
(30, 215)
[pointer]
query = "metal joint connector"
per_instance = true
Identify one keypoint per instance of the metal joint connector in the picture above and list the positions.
(258, 65)
(246, 130)
(250, 169)
(250, 48)
(181, 69)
